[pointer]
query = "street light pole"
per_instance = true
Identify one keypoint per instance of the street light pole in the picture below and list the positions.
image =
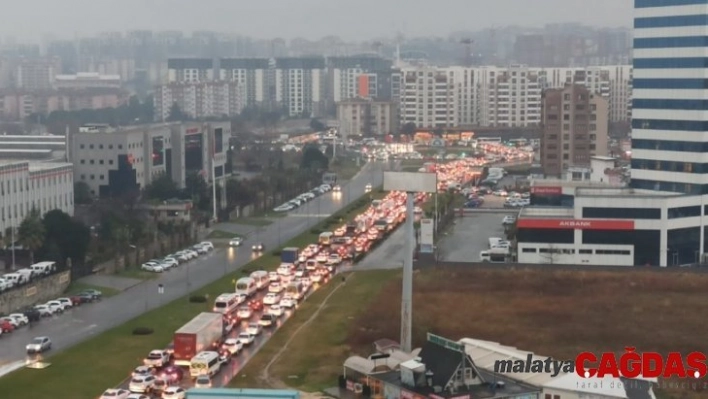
(12, 233)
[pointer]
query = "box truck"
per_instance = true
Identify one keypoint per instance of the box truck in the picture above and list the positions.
(204, 332)
(289, 255)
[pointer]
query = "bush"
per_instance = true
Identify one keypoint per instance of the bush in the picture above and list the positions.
(276, 253)
(316, 231)
(197, 299)
(142, 331)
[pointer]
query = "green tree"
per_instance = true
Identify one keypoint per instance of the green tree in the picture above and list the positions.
(64, 238)
(313, 159)
(408, 129)
(31, 233)
(176, 114)
(162, 188)
(197, 189)
(316, 125)
(82, 194)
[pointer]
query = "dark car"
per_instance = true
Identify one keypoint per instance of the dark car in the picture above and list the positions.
(258, 247)
(85, 297)
(32, 314)
(95, 295)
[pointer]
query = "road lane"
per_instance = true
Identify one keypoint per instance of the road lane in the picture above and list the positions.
(83, 322)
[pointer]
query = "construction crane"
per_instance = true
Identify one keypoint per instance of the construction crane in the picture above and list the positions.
(467, 42)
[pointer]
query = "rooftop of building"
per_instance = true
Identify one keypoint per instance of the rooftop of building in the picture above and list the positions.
(34, 166)
(486, 354)
(550, 212)
(608, 191)
(87, 75)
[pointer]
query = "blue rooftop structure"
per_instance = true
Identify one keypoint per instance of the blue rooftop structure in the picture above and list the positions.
(237, 393)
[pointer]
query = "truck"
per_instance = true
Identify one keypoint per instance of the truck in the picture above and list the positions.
(290, 255)
(204, 332)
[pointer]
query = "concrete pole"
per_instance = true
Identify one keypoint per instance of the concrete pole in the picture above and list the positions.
(407, 292)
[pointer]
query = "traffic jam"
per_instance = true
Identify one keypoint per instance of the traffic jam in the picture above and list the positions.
(212, 348)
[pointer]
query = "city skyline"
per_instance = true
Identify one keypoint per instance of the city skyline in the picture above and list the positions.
(363, 20)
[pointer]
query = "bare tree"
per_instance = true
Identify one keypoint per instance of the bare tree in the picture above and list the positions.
(550, 254)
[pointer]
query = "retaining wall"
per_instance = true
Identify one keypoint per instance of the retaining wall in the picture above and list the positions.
(39, 291)
(428, 261)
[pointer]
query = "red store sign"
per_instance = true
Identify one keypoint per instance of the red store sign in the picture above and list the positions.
(547, 190)
(576, 224)
(191, 130)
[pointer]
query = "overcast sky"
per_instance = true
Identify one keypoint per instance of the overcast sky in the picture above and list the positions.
(310, 19)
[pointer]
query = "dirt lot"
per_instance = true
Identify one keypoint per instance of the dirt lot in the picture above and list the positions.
(557, 314)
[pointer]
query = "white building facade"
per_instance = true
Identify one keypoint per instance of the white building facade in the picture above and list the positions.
(24, 186)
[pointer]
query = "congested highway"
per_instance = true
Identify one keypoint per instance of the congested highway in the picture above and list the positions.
(317, 263)
(80, 323)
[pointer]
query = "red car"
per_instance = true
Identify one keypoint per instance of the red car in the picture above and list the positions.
(256, 305)
(75, 300)
(6, 326)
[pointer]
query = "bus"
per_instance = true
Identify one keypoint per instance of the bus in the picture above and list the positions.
(204, 363)
(226, 303)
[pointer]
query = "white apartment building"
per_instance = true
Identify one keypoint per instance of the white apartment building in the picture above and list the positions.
(200, 99)
(87, 80)
(620, 77)
(428, 97)
(511, 97)
(25, 185)
(252, 75)
(190, 70)
(300, 85)
(359, 116)
(115, 161)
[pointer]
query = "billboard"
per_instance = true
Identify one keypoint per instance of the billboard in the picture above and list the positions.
(158, 151)
(194, 151)
(546, 190)
(426, 236)
(218, 140)
(576, 224)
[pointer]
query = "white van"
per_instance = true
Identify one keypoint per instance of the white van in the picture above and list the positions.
(15, 278)
(226, 303)
(261, 278)
(326, 238)
(28, 274)
(44, 268)
(246, 285)
(204, 363)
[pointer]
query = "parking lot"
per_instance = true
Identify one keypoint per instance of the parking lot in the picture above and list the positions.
(469, 235)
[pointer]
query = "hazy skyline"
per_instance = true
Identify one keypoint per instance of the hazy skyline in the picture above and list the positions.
(311, 19)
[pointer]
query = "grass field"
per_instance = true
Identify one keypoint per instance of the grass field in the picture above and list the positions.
(316, 353)
(109, 357)
(557, 314)
(222, 235)
(259, 221)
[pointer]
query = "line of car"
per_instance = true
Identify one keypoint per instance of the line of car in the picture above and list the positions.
(177, 258)
(27, 275)
(306, 197)
(273, 300)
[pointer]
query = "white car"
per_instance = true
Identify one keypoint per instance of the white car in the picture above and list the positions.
(152, 267)
(141, 371)
(39, 345)
(284, 269)
(115, 394)
(244, 312)
(273, 276)
(179, 257)
(275, 287)
(190, 253)
(334, 259)
(254, 329)
(246, 338)
(19, 318)
(200, 249)
(157, 358)
(322, 257)
(55, 306)
(66, 302)
(138, 396)
(170, 262)
(316, 277)
(232, 345)
(207, 244)
(174, 393)
(508, 220)
(236, 242)
(142, 383)
(275, 310)
(44, 310)
(271, 298)
(287, 302)
(367, 189)
(203, 381)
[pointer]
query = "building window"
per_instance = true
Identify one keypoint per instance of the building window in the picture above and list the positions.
(81, 146)
(110, 146)
(622, 213)
(83, 161)
(585, 251)
(100, 177)
(684, 212)
(83, 177)
(528, 250)
(90, 146)
(120, 146)
(91, 162)
(100, 162)
(100, 146)
(93, 177)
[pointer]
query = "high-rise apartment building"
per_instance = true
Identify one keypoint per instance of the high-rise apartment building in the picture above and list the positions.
(200, 99)
(37, 74)
(428, 97)
(669, 121)
(253, 77)
(359, 116)
(360, 77)
(190, 70)
(574, 126)
(513, 98)
(300, 85)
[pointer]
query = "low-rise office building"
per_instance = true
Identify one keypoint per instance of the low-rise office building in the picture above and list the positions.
(113, 161)
(25, 185)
